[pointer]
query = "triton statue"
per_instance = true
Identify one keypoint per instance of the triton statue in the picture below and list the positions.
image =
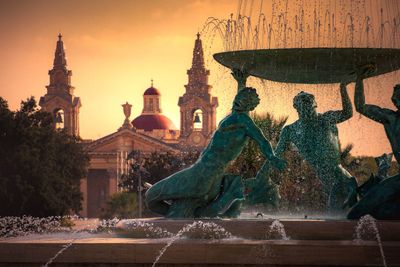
(379, 196)
(316, 137)
(384, 163)
(204, 190)
(389, 118)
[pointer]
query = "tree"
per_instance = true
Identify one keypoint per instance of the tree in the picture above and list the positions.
(121, 205)
(40, 167)
(153, 167)
(251, 158)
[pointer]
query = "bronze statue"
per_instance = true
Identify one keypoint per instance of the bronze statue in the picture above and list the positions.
(389, 118)
(316, 137)
(379, 196)
(204, 190)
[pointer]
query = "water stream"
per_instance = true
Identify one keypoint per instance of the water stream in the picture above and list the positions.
(366, 227)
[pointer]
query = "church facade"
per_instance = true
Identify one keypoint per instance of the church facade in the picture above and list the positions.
(151, 131)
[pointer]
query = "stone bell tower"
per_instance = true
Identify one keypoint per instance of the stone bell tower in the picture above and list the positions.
(60, 100)
(197, 105)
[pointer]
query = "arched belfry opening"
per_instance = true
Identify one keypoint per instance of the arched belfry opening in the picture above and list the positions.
(59, 118)
(198, 120)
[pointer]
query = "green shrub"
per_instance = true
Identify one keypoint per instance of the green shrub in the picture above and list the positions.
(121, 205)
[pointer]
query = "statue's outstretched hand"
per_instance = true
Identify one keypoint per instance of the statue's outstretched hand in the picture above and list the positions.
(278, 163)
(365, 70)
(240, 76)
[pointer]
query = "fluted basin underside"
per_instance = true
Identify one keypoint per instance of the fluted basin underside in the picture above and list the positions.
(311, 65)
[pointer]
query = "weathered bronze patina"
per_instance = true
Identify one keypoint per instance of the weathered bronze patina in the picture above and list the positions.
(204, 189)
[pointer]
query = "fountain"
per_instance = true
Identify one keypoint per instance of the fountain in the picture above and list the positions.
(307, 43)
(345, 46)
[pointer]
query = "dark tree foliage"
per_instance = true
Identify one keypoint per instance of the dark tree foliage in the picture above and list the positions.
(251, 158)
(121, 205)
(40, 167)
(153, 167)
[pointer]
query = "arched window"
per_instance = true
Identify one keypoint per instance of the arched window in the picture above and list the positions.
(59, 118)
(197, 120)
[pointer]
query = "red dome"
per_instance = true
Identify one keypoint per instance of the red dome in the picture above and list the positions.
(149, 122)
(151, 91)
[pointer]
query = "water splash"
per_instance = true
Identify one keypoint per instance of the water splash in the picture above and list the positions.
(217, 232)
(278, 228)
(148, 229)
(294, 23)
(64, 248)
(25, 225)
(107, 225)
(366, 227)
(103, 226)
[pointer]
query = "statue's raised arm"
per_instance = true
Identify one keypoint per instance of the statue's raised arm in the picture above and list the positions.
(389, 118)
(338, 116)
(370, 111)
(241, 78)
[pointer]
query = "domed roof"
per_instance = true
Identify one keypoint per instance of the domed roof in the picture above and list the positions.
(149, 122)
(151, 91)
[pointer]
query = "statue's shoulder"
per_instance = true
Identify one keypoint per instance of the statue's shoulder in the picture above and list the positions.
(233, 118)
(325, 120)
(391, 112)
(291, 126)
(243, 117)
(393, 116)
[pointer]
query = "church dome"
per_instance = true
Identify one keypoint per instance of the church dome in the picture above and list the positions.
(149, 122)
(151, 91)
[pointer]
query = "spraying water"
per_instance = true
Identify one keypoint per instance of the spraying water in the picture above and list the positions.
(148, 229)
(65, 247)
(302, 23)
(367, 226)
(217, 232)
(277, 227)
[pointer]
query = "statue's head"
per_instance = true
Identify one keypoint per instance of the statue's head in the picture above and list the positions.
(246, 100)
(305, 104)
(384, 163)
(396, 96)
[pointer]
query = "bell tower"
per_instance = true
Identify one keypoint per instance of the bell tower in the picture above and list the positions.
(60, 100)
(197, 105)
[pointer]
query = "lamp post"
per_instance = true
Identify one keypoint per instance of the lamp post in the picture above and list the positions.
(139, 189)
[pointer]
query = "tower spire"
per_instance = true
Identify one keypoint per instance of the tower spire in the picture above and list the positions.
(60, 98)
(59, 56)
(198, 74)
(197, 100)
(198, 56)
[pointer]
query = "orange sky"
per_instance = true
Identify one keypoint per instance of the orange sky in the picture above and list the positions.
(114, 48)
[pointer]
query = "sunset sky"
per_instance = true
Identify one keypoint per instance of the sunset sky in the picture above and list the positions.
(114, 49)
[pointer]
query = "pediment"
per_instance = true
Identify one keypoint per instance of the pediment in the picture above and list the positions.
(128, 140)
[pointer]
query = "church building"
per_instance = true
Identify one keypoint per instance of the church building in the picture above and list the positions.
(151, 131)
(152, 122)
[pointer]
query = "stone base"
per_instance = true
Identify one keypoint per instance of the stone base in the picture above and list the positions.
(312, 243)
